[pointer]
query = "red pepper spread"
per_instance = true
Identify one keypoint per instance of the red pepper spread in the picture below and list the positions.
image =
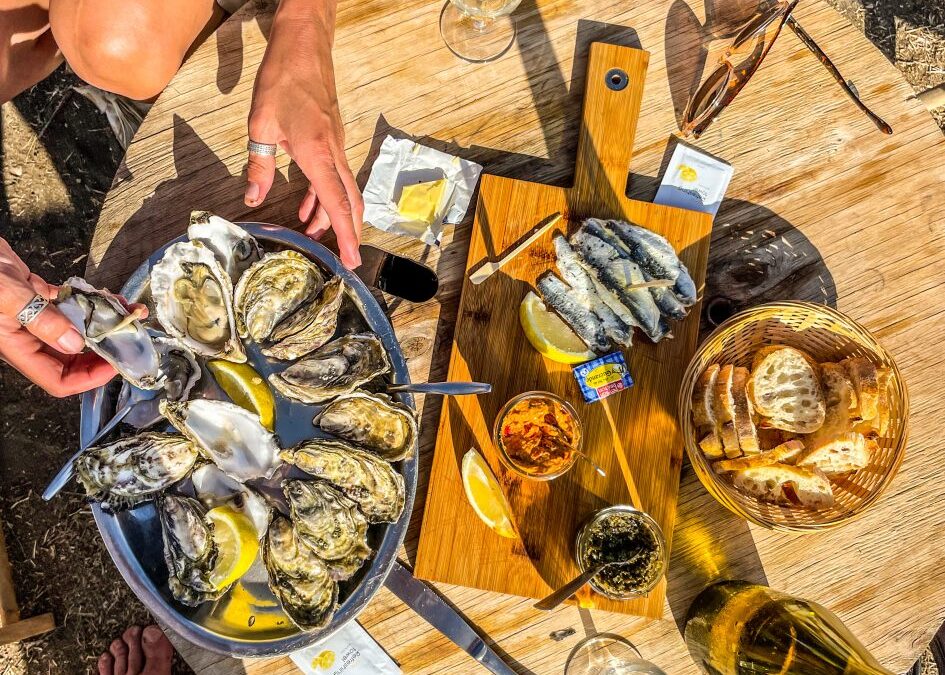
(539, 435)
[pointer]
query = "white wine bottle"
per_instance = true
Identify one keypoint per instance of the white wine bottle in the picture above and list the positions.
(738, 628)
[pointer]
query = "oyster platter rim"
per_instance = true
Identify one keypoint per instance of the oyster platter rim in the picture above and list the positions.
(110, 526)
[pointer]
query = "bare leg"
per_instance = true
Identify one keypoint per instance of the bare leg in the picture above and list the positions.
(130, 47)
(28, 52)
(138, 652)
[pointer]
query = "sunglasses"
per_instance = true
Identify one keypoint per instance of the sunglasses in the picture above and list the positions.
(743, 57)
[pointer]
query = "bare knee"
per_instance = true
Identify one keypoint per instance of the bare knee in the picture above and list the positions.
(116, 47)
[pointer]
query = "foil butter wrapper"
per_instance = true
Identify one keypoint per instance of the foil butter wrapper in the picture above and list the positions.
(402, 162)
(351, 651)
(694, 180)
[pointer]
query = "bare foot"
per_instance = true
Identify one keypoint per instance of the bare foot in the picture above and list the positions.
(138, 652)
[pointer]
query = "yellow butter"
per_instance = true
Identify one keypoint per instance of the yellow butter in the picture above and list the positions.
(418, 202)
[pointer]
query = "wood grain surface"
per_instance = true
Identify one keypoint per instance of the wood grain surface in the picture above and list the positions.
(633, 436)
(821, 207)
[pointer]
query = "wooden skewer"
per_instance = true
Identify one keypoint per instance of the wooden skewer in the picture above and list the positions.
(654, 283)
(487, 269)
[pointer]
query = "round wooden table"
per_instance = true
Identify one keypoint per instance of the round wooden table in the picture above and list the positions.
(821, 207)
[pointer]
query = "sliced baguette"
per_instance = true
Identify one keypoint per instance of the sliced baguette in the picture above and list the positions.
(784, 484)
(841, 454)
(772, 438)
(723, 401)
(730, 440)
(703, 409)
(711, 445)
(865, 377)
(743, 417)
(839, 392)
(785, 388)
(786, 452)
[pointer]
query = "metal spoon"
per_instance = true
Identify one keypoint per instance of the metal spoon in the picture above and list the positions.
(594, 464)
(62, 478)
(444, 388)
(578, 582)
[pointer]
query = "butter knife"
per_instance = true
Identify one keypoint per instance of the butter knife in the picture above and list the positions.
(425, 601)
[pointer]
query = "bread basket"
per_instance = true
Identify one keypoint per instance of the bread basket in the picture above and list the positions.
(827, 335)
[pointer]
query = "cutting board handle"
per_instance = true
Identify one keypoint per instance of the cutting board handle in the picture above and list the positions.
(612, 98)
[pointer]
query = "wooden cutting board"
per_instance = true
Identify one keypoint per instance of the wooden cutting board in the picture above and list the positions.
(633, 435)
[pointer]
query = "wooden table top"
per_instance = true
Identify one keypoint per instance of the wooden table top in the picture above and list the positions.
(822, 207)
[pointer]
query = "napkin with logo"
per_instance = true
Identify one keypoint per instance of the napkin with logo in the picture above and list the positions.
(351, 650)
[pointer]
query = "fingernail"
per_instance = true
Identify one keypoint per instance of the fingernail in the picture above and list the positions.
(252, 194)
(355, 260)
(71, 342)
(151, 634)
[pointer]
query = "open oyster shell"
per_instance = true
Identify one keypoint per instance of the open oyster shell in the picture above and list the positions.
(338, 367)
(214, 488)
(111, 332)
(366, 478)
(189, 549)
(373, 421)
(193, 300)
(235, 248)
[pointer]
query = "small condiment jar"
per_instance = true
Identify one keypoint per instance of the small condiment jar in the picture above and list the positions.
(503, 452)
(583, 538)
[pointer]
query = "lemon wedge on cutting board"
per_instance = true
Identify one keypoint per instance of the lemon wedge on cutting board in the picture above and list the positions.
(549, 334)
(237, 545)
(247, 389)
(485, 495)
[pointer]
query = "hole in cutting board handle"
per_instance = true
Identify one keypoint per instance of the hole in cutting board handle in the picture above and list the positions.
(616, 79)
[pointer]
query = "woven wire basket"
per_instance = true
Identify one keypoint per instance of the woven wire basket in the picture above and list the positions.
(827, 335)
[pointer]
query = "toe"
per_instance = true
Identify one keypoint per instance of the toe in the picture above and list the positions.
(132, 638)
(106, 664)
(119, 652)
(158, 652)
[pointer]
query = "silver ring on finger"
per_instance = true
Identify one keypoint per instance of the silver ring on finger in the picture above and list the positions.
(33, 309)
(264, 149)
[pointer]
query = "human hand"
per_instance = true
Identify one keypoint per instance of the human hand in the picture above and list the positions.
(48, 349)
(295, 106)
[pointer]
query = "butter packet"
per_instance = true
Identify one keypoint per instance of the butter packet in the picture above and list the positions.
(602, 377)
(415, 190)
(694, 180)
(351, 650)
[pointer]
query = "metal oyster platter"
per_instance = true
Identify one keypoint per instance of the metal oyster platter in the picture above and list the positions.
(248, 620)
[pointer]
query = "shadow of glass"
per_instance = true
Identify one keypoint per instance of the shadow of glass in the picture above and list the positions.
(230, 40)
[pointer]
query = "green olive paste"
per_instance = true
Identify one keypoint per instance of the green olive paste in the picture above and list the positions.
(619, 536)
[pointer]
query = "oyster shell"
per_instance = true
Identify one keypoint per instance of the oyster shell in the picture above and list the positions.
(179, 367)
(189, 549)
(235, 248)
(193, 300)
(311, 326)
(298, 577)
(338, 367)
(229, 436)
(373, 421)
(329, 523)
(111, 332)
(215, 488)
(131, 470)
(367, 479)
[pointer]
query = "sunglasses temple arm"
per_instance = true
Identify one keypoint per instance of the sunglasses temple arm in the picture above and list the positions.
(808, 41)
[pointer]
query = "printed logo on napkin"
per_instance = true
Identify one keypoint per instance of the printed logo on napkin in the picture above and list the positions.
(351, 651)
(602, 377)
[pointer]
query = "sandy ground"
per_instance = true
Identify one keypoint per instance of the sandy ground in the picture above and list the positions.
(57, 157)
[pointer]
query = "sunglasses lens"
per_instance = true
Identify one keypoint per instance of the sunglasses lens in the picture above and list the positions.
(706, 100)
(759, 23)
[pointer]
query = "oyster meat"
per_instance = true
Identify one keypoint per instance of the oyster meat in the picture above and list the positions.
(235, 248)
(131, 470)
(366, 478)
(189, 549)
(229, 436)
(193, 300)
(111, 332)
(298, 577)
(373, 421)
(330, 524)
(179, 367)
(215, 488)
(338, 367)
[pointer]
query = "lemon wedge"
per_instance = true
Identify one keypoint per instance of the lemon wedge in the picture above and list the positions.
(549, 334)
(485, 496)
(247, 389)
(237, 545)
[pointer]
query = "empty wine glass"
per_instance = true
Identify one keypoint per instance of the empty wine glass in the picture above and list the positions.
(478, 30)
(606, 654)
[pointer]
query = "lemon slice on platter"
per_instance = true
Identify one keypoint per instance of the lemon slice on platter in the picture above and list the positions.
(549, 334)
(237, 545)
(247, 389)
(485, 496)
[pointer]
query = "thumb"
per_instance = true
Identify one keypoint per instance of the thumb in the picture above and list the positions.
(260, 169)
(53, 328)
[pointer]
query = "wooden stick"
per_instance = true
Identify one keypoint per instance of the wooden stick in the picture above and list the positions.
(487, 269)
(654, 283)
(12, 627)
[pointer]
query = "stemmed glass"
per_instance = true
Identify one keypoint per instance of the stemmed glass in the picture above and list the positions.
(607, 654)
(478, 30)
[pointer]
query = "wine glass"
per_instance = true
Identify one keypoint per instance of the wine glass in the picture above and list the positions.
(606, 654)
(478, 30)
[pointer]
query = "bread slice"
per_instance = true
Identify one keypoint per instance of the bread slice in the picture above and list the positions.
(783, 483)
(785, 389)
(771, 438)
(744, 415)
(865, 377)
(711, 445)
(839, 393)
(730, 440)
(786, 452)
(723, 400)
(703, 411)
(843, 453)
